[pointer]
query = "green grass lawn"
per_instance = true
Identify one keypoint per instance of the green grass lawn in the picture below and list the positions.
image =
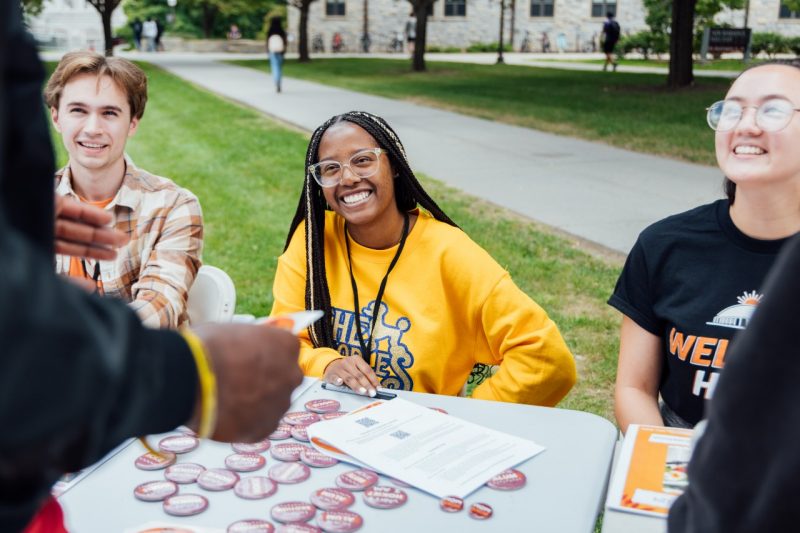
(247, 172)
(633, 111)
(716, 64)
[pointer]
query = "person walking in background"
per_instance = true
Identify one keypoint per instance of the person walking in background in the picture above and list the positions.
(610, 36)
(136, 27)
(149, 33)
(276, 47)
(411, 32)
(159, 33)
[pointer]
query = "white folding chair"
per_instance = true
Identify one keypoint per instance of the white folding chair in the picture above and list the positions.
(212, 297)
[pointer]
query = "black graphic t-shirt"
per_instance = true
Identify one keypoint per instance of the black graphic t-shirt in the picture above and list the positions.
(694, 280)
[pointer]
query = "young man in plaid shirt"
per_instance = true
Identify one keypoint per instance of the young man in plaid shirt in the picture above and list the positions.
(96, 104)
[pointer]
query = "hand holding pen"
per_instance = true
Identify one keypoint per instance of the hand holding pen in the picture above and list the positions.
(353, 372)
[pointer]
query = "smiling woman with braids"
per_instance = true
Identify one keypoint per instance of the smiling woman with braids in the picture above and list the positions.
(410, 301)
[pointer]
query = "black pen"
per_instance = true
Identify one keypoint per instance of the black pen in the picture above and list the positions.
(380, 395)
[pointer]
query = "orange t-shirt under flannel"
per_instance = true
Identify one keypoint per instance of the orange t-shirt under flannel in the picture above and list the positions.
(77, 265)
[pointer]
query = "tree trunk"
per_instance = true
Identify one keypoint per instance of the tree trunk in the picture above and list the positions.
(513, 20)
(365, 33)
(302, 45)
(108, 38)
(680, 44)
(209, 14)
(500, 40)
(421, 12)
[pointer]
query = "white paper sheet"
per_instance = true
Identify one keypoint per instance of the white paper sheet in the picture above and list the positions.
(438, 453)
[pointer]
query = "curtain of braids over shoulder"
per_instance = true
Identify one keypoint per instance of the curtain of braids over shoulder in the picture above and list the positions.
(311, 209)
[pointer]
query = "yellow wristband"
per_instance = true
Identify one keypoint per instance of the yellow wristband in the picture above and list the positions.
(208, 385)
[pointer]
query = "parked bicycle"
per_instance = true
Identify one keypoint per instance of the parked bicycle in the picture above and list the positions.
(396, 43)
(317, 44)
(525, 45)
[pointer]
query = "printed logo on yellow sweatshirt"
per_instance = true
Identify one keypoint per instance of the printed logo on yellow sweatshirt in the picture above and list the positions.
(391, 358)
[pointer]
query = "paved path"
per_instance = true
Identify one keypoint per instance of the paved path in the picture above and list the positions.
(603, 194)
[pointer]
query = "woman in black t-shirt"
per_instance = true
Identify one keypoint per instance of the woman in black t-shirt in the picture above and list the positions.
(693, 280)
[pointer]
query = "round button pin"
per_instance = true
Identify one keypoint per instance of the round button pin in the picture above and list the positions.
(183, 473)
(178, 444)
(152, 461)
(155, 491)
(451, 504)
(300, 418)
(317, 459)
(339, 521)
(255, 488)
(251, 447)
(252, 525)
(507, 480)
(287, 451)
(332, 499)
(282, 432)
(300, 432)
(288, 512)
(384, 497)
(217, 479)
(245, 462)
(480, 511)
(357, 479)
(289, 473)
(323, 405)
(185, 504)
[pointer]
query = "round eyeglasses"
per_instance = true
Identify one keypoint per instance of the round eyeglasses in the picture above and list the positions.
(772, 115)
(363, 164)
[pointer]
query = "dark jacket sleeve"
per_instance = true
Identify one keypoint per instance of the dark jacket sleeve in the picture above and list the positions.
(745, 471)
(78, 373)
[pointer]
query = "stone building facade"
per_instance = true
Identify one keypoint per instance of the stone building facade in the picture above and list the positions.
(71, 25)
(570, 25)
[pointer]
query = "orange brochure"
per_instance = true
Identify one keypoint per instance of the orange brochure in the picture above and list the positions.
(651, 470)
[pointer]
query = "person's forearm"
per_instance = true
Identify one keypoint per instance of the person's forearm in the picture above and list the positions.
(635, 406)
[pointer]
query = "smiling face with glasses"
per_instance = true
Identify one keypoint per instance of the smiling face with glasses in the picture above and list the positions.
(357, 180)
(756, 129)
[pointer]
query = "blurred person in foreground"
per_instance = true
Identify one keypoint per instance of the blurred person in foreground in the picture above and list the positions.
(745, 470)
(80, 374)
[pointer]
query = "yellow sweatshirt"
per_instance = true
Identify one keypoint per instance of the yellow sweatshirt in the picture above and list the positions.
(447, 306)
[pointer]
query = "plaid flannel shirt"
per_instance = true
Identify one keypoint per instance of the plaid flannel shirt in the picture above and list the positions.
(155, 270)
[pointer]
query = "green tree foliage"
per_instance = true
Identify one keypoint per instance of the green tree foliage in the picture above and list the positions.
(205, 18)
(659, 12)
(32, 7)
(794, 5)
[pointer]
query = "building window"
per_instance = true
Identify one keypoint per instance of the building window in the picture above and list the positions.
(455, 8)
(541, 8)
(786, 13)
(600, 8)
(334, 8)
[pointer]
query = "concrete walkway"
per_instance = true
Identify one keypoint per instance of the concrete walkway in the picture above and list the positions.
(596, 192)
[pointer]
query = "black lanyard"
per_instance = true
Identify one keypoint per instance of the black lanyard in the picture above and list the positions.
(366, 348)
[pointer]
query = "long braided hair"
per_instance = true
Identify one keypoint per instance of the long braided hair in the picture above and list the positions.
(312, 206)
